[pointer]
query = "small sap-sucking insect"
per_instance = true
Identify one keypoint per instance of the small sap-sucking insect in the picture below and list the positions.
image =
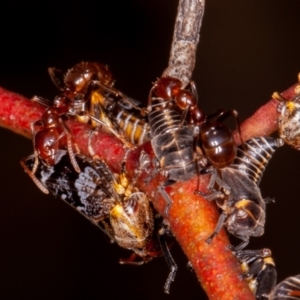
(111, 202)
(93, 99)
(258, 269)
(288, 289)
(185, 140)
(238, 194)
(172, 139)
(289, 119)
(210, 134)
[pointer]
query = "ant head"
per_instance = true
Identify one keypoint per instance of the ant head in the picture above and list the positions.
(167, 87)
(79, 78)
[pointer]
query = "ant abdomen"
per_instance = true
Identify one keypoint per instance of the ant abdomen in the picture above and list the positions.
(218, 144)
(79, 77)
(46, 142)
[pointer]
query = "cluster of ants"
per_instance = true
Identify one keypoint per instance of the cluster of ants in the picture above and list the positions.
(186, 142)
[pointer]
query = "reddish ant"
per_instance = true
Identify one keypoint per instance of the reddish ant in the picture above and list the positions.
(47, 133)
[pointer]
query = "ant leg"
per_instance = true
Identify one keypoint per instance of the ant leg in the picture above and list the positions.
(36, 156)
(183, 116)
(169, 259)
(70, 144)
(194, 91)
(219, 225)
(31, 174)
(238, 126)
(91, 151)
(36, 162)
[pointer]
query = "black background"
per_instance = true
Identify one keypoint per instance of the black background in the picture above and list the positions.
(248, 49)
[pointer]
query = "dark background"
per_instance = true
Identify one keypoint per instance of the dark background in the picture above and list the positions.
(248, 49)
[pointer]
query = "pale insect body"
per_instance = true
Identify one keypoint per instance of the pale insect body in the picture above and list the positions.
(238, 194)
(135, 129)
(93, 99)
(172, 138)
(109, 201)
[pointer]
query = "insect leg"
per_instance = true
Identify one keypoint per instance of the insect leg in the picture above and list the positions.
(219, 226)
(41, 100)
(169, 259)
(114, 132)
(31, 174)
(70, 144)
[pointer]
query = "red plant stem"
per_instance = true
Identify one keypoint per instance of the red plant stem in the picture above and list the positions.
(192, 218)
(264, 121)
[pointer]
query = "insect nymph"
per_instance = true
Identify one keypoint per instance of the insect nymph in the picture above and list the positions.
(289, 119)
(89, 86)
(172, 139)
(238, 194)
(185, 140)
(108, 200)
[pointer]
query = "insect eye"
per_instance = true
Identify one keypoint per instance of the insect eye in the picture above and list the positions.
(241, 214)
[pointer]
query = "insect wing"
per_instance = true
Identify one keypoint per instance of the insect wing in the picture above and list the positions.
(90, 191)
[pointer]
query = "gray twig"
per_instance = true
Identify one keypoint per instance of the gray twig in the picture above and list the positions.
(185, 40)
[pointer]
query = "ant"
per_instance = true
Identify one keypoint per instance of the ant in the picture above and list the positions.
(47, 134)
